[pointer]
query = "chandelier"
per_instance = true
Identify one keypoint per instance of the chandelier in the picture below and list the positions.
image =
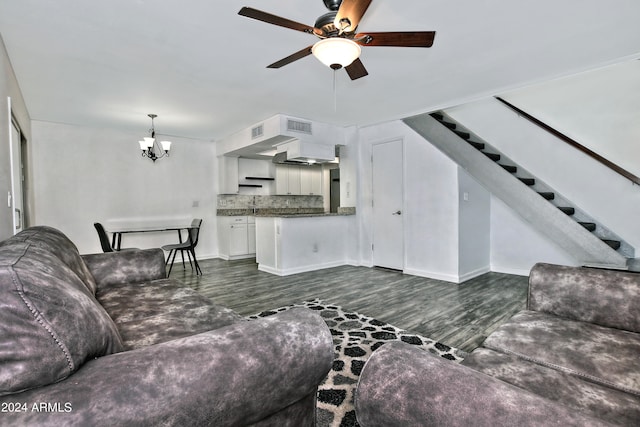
(150, 147)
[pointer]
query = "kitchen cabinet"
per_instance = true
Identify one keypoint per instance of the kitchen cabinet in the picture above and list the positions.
(251, 236)
(228, 175)
(287, 180)
(298, 180)
(255, 177)
(311, 180)
(236, 237)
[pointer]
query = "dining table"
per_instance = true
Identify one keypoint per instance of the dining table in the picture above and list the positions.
(118, 230)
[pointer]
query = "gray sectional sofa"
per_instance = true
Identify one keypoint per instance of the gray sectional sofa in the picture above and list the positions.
(571, 358)
(108, 339)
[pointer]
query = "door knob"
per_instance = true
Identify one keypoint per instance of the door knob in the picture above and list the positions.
(397, 213)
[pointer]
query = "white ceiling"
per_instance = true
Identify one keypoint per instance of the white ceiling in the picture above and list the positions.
(201, 67)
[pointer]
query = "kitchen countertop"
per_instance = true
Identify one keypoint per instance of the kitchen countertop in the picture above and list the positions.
(284, 212)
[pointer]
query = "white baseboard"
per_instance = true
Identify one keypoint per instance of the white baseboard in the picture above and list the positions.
(232, 257)
(474, 273)
(269, 270)
(301, 269)
(510, 270)
(431, 275)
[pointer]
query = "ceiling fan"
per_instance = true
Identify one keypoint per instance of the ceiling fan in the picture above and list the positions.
(339, 44)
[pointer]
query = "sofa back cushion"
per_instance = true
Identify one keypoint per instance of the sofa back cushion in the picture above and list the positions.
(58, 244)
(50, 322)
(605, 297)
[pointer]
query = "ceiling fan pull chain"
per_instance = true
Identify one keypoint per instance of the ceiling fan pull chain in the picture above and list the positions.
(335, 95)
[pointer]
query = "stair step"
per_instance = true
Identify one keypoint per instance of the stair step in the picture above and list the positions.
(449, 125)
(463, 135)
(509, 168)
(477, 145)
(493, 156)
(437, 116)
(547, 195)
(588, 225)
(568, 210)
(528, 181)
(615, 244)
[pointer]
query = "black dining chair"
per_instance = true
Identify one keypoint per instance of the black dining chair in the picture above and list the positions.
(104, 239)
(189, 247)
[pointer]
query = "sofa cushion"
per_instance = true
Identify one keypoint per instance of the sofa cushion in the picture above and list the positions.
(605, 297)
(161, 310)
(570, 390)
(403, 385)
(602, 355)
(59, 245)
(50, 323)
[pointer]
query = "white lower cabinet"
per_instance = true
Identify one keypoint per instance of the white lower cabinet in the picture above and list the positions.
(236, 237)
(251, 237)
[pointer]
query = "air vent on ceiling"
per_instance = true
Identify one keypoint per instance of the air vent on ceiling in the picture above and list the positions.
(257, 132)
(298, 126)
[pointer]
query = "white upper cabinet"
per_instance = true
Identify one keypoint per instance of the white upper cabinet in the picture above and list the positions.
(311, 181)
(298, 180)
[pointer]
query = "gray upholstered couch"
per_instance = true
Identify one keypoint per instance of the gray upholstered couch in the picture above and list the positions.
(107, 339)
(571, 358)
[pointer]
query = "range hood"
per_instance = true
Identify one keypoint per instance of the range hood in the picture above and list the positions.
(304, 152)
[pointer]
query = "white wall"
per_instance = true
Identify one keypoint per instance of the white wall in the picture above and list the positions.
(600, 109)
(448, 237)
(9, 88)
(85, 175)
(608, 197)
(474, 227)
(516, 246)
(431, 202)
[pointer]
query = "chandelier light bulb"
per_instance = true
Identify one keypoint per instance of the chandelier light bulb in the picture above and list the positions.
(166, 145)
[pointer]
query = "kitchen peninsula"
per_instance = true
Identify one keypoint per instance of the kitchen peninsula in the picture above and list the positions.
(287, 235)
(290, 244)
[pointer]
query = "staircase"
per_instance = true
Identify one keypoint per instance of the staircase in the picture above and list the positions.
(569, 227)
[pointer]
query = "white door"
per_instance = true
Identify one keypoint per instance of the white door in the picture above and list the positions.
(388, 189)
(17, 203)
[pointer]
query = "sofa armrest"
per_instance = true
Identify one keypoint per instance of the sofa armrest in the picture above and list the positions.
(234, 375)
(402, 385)
(604, 297)
(130, 266)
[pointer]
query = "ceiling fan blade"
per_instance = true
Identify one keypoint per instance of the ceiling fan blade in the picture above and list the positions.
(349, 14)
(293, 57)
(398, 38)
(356, 69)
(250, 12)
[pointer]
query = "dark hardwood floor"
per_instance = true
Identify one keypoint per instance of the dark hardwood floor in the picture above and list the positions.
(457, 315)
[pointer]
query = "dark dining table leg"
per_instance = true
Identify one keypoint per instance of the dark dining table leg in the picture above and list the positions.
(117, 237)
(180, 241)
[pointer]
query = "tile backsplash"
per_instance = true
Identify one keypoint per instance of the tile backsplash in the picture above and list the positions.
(239, 201)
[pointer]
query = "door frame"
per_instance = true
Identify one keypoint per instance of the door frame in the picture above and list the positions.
(17, 149)
(399, 139)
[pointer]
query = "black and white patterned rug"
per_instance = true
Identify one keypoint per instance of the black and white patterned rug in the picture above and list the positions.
(355, 337)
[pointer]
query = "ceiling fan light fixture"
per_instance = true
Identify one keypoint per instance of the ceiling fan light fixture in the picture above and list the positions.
(336, 52)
